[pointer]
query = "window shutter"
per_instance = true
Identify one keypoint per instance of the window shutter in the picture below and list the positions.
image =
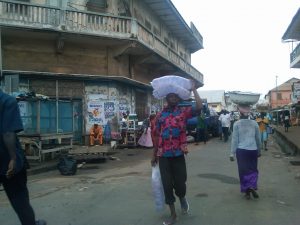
(96, 5)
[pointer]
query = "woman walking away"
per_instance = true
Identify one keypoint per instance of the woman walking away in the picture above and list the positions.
(246, 145)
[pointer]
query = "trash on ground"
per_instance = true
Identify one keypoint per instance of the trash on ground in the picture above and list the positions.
(82, 189)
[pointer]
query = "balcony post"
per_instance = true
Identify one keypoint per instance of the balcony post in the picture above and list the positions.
(62, 15)
(134, 28)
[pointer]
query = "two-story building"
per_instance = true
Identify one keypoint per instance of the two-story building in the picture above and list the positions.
(92, 59)
(292, 36)
(281, 95)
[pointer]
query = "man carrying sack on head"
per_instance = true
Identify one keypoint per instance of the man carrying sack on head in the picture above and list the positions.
(170, 142)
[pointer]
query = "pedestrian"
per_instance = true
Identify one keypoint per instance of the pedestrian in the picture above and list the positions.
(124, 128)
(201, 129)
(245, 146)
(263, 123)
(13, 175)
(225, 122)
(170, 148)
(220, 132)
(146, 138)
(286, 121)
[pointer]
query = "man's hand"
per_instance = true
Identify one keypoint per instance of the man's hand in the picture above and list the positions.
(184, 149)
(231, 158)
(11, 168)
(154, 160)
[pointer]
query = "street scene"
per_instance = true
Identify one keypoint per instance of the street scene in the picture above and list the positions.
(119, 192)
(146, 112)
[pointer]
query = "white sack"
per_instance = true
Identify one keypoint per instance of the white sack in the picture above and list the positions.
(171, 84)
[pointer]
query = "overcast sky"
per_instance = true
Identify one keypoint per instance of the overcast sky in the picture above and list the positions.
(243, 49)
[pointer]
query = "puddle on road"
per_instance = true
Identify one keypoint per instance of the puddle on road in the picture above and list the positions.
(220, 177)
(201, 195)
(295, 163)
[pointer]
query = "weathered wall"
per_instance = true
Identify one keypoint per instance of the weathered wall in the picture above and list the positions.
(40, 55)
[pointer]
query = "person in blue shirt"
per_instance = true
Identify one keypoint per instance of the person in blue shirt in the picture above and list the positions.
(13, 176)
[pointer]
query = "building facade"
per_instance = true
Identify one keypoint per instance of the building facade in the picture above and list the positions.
(93, 60)
(282, 95)
(215, 99)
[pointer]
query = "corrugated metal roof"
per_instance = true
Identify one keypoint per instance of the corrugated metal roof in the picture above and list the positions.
(293, 30)
(214, 96)
(173, 20)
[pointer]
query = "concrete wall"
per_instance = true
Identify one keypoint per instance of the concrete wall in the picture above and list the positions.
(285, 98)
(147, 17)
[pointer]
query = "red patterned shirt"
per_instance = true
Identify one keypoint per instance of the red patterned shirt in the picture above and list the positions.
(170, 127)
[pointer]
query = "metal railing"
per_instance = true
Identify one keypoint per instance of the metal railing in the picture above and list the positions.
(13, 13)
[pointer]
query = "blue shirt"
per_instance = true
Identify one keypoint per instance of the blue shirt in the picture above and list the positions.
(10, 121)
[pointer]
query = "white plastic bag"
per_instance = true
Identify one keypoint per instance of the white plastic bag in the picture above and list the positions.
(171, 84)
(157, 189)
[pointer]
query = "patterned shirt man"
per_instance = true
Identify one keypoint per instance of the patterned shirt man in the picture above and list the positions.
(171, 127)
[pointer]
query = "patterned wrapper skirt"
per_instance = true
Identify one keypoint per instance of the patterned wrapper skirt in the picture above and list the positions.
(247, 165)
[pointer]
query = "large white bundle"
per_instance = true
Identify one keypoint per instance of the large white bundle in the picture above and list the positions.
(171, 84)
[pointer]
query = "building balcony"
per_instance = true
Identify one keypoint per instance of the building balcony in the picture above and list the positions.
(39, 17)
(295, 57)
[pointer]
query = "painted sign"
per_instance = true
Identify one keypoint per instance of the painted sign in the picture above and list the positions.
(296, 92)
(95, 112)
(109, 110)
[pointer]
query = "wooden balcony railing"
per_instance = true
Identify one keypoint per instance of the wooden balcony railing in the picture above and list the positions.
(13, 13)
(24, 14)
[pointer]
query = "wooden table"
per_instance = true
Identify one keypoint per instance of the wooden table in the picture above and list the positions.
(36, 142)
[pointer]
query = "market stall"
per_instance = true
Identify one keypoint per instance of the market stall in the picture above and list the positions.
(48, 127)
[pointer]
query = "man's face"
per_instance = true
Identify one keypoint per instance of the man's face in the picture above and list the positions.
(172, 99)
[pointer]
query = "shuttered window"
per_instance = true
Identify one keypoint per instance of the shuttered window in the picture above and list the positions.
(96, 5)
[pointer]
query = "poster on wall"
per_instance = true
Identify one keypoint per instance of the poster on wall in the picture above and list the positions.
(109, 110)
(23, 108)
(123, 106)
(297, 91)
(95, 112)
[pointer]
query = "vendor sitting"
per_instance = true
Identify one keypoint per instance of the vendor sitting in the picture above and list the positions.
(96, 134)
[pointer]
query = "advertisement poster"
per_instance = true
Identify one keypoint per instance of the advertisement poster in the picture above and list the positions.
(109, 110)
(95, 112)
(23, 108)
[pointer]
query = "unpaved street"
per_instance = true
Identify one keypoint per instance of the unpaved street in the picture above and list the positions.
(119, 192)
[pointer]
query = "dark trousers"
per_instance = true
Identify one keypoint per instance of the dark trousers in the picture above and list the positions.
(201, 135)
(225, 133)
(17, 193)
(173, 177)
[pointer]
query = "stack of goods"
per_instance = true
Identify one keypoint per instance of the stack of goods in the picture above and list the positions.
(171, 84)
(243, 98)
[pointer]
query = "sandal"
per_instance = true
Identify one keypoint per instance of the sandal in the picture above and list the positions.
(247, 195)
(254, 193)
